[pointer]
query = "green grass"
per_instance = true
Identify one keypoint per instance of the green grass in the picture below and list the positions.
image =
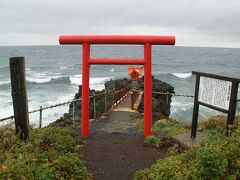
(218, 123)
(170, 128)
(218, 158)
(164, 127)
(50, 153)
(153, 141)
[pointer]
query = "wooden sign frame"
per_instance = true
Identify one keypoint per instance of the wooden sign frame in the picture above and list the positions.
(231, 111)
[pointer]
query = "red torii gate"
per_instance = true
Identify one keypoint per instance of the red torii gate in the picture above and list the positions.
(147, 41)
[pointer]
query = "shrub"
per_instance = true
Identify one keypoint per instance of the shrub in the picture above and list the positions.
(62, 140)
(170, 128)
(218, 123)
(138, 123)
(219, 158)
(69, 167)
(51, 153)
(153, 141)
(214, 123)
(169, 168)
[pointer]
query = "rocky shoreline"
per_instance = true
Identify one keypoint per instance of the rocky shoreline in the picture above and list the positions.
(160, 103)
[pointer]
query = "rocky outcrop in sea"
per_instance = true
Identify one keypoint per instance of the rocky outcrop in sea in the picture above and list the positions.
(160, 103)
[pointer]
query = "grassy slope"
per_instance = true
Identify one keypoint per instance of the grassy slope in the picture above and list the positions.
(218, 158)
(51, 153)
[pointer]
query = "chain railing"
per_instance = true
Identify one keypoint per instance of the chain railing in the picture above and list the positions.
(45, 115)
(174, 94)
(134, 96)
(118, 95)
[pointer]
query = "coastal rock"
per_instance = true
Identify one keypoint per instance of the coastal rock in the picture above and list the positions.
(160, 103)
(117, 84)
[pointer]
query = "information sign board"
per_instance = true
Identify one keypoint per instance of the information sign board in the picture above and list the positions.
(215, 92)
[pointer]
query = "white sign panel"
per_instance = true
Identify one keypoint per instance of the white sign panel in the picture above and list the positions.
(215, 92)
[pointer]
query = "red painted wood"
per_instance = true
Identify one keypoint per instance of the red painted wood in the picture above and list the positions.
(85, 89)
(147, 89)
(117, 61)
(117, 39)
(147, 41)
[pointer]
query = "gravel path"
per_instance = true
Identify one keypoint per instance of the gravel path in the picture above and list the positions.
(115, 150)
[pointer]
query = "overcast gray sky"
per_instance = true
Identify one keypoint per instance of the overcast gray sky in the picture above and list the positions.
(194, 22)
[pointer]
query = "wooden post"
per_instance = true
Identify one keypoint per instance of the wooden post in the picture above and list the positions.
(94, 105)
(195, 109)
(114, 99)
(167, 98)
(40, 117)
(105, 100)
(132, 99)
(232, 108)
(73, 113)
(19, 96)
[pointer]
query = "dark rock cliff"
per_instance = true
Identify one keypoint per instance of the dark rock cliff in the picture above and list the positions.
(160, 103)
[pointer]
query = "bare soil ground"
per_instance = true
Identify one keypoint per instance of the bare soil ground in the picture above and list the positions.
(115, 149)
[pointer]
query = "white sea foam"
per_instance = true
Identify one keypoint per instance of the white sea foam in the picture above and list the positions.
(42, 77)
(61, 99)
(6, 110)
(76, 79)
(4, 82)
(63, 67)
(5, 94)
(112, 70)
(96, 83)
(177, 106)
(182, 75)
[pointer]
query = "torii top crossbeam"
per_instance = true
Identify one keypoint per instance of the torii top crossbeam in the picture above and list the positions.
(117, 39)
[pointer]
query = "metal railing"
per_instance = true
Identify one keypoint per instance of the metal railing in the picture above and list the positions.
(49, 114)
(134, 96)
(40, 117)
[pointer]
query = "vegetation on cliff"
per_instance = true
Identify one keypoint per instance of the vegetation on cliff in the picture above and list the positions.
(217, 158)
(50, 153)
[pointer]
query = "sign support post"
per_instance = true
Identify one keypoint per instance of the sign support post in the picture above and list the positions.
(195, 109)
(232, 108)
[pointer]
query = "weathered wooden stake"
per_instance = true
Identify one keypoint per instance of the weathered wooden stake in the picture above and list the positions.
(195, 109)
(105, 100)
(40, 117)
(132, 99)
(94, 105)
(19, 96)
(73, 113)
(113, 99)
(167, 98)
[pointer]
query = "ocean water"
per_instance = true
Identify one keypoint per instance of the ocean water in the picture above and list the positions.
(53, 73)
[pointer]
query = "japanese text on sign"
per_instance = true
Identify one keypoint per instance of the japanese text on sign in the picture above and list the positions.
(215, 92)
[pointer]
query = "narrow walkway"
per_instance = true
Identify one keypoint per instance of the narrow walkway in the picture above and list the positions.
(120, 120)
(115, 148)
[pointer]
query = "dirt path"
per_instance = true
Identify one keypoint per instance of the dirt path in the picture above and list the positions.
(115, 149)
